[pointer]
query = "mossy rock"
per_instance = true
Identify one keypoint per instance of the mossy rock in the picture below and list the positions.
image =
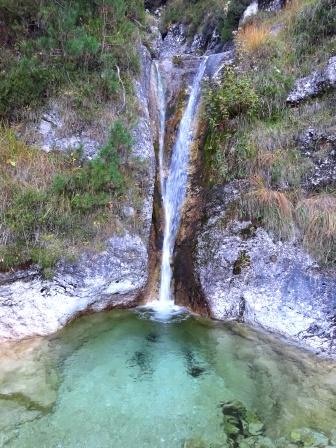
(243, 261)
(305, 437)
(239, 422)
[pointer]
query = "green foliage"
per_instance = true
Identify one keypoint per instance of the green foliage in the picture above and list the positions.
(224, 103)
(94, 184)
(200, 16)
(315, 23)
(53, 44)
(23, 85)
(233, 97)
(36, 217)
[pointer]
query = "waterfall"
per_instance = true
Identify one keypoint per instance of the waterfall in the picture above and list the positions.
(174, 187)
(161, 101)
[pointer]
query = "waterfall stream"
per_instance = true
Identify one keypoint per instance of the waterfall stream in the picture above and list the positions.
(161, 100)
(174, 187)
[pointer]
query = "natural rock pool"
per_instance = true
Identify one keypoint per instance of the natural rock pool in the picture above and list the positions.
(121, 379)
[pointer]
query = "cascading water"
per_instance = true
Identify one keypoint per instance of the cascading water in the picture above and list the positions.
(174, 188)
(161, 99)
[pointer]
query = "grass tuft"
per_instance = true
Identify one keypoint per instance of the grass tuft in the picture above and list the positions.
(252, 36)
(316, 217)
(271, 207)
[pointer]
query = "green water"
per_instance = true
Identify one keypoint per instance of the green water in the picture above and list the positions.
(120, 379)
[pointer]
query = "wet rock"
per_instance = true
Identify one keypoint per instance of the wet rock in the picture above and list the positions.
(240, 424)
(280, 289)
(305, 437)
(315, 84)
(194, 443)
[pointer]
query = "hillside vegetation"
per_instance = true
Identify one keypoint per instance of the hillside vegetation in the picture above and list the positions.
(253, 134)
(205, 16)
(53, 205)
(47, 45)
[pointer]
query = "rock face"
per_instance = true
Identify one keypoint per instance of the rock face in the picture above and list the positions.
(30, 305)
(247, 275)
(313, 85)
(271, 5)
(320, 148)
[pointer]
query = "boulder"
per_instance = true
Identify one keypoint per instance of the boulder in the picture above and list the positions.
(246, 274)
(315, 84)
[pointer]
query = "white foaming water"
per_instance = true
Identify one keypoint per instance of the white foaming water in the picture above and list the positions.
(174, 189)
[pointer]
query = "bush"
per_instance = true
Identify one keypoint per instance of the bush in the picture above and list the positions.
(24, 85)
(55, 44)
(47, 199)
(233, 98)
(234, 14)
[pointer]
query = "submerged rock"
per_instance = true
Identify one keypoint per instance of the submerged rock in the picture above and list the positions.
(313, 85)
(305, 437)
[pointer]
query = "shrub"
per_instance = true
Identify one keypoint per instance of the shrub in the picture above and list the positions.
(234, 97)
(23, 85)
(234, 14)
(49, 45)
(45, 195)
(200, 16)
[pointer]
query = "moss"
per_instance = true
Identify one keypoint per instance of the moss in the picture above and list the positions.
(242, 262)
(178, 61)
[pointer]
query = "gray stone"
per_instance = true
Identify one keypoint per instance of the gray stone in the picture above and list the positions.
(314, 84)
(320, 148)
(111, 278)
(280, 289)
(250, 11)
